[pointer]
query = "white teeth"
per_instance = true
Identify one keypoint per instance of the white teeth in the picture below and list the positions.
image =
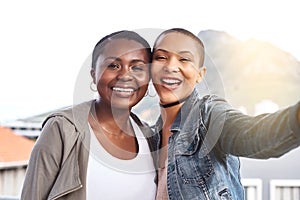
(118, 89)
(171, 81)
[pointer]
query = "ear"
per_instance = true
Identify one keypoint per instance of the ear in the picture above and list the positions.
(201, 74)
(92, 72)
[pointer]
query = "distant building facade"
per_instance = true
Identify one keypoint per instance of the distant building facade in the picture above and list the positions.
(14, 155)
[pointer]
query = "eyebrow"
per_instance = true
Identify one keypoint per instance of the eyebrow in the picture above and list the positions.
(119, 60)
(138, 60)
(112, 58)
(163, 50)
(180, 52)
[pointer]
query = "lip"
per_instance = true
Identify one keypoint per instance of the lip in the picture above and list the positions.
(170, 83)
(123, 91)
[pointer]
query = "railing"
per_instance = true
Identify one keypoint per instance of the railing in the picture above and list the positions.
(285, 189)
(253, 189)
(11, 180)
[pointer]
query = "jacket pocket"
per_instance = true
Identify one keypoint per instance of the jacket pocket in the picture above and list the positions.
(194, 169)
(225, 195)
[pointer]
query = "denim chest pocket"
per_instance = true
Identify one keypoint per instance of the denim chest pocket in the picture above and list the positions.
(225, 195)
(194, 169)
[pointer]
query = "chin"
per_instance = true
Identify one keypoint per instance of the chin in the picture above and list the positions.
(168, 99)
(121, 107)
(123, 104)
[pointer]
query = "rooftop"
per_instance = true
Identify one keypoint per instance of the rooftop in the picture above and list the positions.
(14, 148)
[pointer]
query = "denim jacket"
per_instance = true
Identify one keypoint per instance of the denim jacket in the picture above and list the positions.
(209, 135)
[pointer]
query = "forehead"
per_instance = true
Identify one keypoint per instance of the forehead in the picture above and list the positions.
(120, 47)
(177, 42)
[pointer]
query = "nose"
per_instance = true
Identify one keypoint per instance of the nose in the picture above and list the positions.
(125, 74)
(172, 66)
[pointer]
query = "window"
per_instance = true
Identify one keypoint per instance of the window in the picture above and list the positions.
(253, 189)
(285, 189)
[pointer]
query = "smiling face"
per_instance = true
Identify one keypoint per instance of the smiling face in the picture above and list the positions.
(175, 66)
(122, 73)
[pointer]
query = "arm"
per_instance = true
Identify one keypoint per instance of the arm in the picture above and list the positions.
(263, 136)
(44, 163)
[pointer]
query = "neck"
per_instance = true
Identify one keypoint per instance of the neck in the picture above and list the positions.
(175, 103)
(169, 111)
(169, 114)
(115, 118)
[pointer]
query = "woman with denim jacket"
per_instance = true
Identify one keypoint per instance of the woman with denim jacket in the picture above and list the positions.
(99, 149)
(200, 138)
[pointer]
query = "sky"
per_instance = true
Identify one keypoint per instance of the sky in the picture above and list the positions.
(44, 44)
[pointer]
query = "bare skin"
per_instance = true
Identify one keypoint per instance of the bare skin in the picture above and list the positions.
(174, 74)
(119, 142)
(122, 77)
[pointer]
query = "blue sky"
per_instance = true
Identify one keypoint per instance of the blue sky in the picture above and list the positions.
(44, 44)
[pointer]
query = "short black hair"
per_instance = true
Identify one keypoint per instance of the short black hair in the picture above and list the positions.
(191, 35)
(124, 34)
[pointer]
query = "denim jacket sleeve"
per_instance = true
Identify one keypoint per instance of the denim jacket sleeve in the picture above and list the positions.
(262, 136)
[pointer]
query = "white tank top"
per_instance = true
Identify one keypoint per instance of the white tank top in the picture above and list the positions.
(110, 178)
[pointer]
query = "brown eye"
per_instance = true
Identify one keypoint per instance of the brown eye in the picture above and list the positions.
(138, 68)
(185, 59)
(113, 66)
(160, 57)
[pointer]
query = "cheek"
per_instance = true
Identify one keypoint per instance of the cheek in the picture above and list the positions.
(155, 70)
(190, 74)
(100, 75)
(143, 78)
(104, 79)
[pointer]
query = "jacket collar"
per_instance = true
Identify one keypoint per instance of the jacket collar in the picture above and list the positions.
(77, 115)
(187, 140)
(185, 127)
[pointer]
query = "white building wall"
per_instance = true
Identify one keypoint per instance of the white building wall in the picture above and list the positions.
(11, 179)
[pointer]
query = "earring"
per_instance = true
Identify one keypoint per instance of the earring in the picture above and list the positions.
(91, 87)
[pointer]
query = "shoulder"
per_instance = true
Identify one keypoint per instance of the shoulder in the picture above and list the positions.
(213, 107)
(209, 98)
(64, 127)
(73, 115)
(66, 124)
(213, 101)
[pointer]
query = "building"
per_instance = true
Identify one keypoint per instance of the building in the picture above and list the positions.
(14, 155)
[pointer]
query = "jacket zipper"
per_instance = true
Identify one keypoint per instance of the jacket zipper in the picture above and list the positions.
(206, 195)
(67, 192)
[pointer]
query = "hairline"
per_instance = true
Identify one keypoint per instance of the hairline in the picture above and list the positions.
(200, 45)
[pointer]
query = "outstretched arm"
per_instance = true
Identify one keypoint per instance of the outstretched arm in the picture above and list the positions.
(262, 136)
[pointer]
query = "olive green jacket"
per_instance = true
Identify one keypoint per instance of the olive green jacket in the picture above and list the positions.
(58, 163)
